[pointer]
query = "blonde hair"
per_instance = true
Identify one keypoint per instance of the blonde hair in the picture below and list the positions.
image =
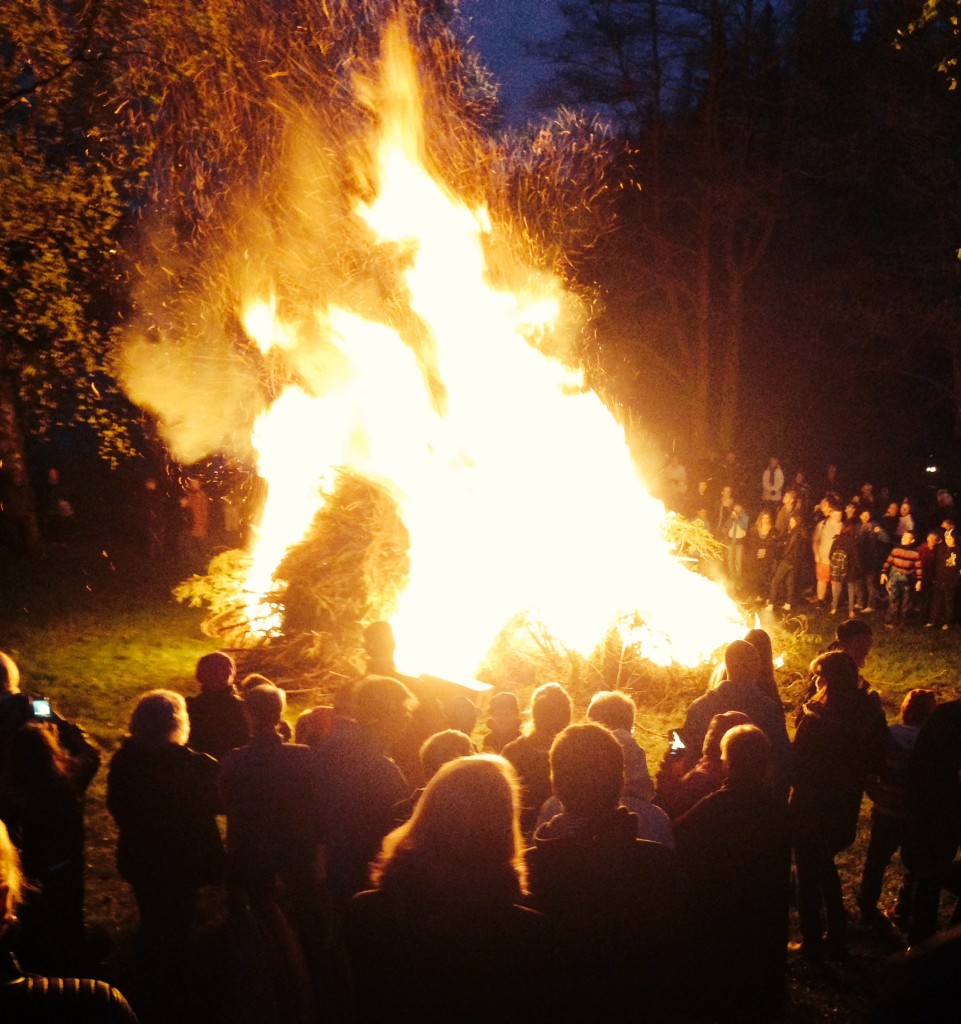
(468, 817)
(160, 717)
(9, 674)
(11, 879)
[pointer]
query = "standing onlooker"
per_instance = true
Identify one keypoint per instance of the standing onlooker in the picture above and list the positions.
(901, 574)
(790, 551)
(735, 535)
(947, 575)
(928, 556)
(734, 851)
(934, 802)
(163, 796)
(786, 509)
(845, 562)
(357, 783)
(196, 504)
(217, 723)
(822, 541)
(833, 749)
(759, 556)
(772, 484)
(504, 724)
(906, 523)
(890, 815)
(612, 897)
(872, 547)
(441, 934)
(530, 754)
(41, 802)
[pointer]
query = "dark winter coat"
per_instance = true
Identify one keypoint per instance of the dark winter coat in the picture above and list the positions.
(217, 723)
(734, 852)
(164, 800)
(613, 900)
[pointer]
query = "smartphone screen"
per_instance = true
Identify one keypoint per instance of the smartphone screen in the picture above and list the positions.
(41, 708)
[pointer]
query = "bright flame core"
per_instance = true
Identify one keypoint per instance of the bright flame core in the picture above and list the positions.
(516, 484)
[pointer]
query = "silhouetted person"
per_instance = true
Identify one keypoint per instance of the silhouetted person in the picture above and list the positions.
(217, 723)
(742, 690)
(503, 723)
(163, 797)
(273, 835)
(41, 801)
(35, 999)
(530, 754)
(611, 896)
(442, 935)
(434, 754)
(833, 755)
(678, 791)
(890, 811)
(426, 715)
(734, 852)
(934, 800)
(358, 785)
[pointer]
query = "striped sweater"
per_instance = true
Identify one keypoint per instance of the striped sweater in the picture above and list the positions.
(905, 561)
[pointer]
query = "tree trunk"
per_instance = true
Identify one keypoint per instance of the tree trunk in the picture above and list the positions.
(16, 492)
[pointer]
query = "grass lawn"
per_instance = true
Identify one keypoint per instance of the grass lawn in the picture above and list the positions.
(92, 630)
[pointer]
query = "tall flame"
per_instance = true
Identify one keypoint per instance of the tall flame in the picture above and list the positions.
(516, 484)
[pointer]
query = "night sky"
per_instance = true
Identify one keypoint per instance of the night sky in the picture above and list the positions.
(501, 30)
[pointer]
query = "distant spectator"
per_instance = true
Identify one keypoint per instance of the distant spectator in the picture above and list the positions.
(217, 723)
(846, 569)
(504, 723)
(790, 551)
(760, 640)
(947, 576)
(928, 555)
(530, 754)
(872, 550)
(29, 998)
(772, 485)
(901, 574)
(906, 523)
(822, 542)
(196, 535)
(425, 713)
(759, 553)
(248, 683)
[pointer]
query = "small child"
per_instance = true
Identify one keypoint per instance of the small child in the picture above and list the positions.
(889, 815)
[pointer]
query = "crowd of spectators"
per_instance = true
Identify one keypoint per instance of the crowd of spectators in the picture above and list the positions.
(531, 872)
(846, 547)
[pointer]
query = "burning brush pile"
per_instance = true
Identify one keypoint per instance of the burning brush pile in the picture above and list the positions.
(405, 351)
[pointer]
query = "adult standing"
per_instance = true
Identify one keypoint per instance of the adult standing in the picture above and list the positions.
(163, 796)
(733, 848)
(833, 756)
(772, 485)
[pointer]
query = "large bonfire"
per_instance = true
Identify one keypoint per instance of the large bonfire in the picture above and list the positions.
(436, 441)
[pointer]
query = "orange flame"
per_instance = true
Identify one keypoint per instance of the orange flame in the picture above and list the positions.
(517, 490)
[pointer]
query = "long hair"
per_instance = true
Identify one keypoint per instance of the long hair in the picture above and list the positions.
(12, 884)
(466, 827)
(35, 758)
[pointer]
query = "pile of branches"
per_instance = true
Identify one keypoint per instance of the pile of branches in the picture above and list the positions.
(347, 572)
